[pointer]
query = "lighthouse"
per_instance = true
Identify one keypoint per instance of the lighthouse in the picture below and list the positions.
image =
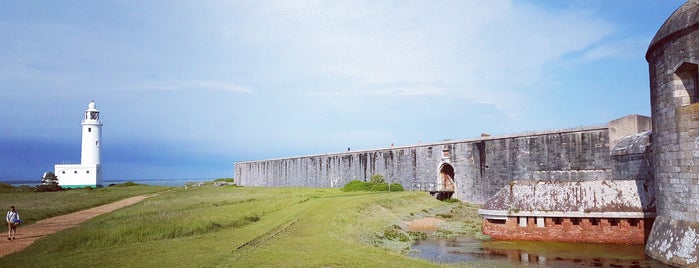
(92, 134)
(89, 172)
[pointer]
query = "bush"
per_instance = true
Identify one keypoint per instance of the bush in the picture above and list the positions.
(376, 179)
(355, 186)
(49, 188)
(394, 232)
(396, 187)
(380, 187)
(6, 188)
(377, 184)
(225, 180)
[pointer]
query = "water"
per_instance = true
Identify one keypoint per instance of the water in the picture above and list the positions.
(525, 253)
(155, 182)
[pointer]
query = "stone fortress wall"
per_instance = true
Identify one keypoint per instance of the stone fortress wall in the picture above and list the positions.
(480, 167)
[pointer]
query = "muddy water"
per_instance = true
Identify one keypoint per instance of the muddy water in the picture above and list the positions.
(471, 251)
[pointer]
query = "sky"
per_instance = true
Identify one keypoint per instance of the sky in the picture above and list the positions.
(187, 88)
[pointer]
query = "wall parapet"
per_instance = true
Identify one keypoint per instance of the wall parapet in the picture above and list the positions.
(447, 142)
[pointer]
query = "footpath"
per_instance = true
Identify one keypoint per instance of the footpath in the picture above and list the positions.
(26, 235)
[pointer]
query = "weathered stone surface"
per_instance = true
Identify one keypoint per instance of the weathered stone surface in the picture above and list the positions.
(481, 166)
(674, 241)
(583, 197)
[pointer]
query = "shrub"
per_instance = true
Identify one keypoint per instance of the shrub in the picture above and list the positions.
(356, 185)
(394, 232)
(225, 180)
(379, 187)
(6, 188)
(49, 188)
(396, 187)
(376, 179)
(376, 184)
(451, 200)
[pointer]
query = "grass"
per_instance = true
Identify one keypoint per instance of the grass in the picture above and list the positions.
(34, 206)
(237, 227)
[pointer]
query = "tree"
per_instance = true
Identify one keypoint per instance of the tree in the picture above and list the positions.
(49, 183)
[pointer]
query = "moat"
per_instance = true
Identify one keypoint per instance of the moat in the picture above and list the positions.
(469, 250)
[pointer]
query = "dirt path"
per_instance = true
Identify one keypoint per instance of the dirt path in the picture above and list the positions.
(26, 235)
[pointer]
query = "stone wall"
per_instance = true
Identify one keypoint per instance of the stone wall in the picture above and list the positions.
(481, 166)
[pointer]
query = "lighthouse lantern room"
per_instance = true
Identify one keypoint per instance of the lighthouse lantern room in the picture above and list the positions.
(89, 172)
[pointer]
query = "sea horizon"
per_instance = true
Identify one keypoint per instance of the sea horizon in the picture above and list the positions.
(107, 182)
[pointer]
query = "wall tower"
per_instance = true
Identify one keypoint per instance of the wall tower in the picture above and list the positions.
(673, 57)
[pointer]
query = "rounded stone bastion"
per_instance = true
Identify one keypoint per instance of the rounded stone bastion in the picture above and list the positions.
(673, 60)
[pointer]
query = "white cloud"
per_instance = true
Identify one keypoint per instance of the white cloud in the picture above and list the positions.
(488, 51)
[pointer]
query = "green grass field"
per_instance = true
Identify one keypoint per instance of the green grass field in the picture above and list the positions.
(34, 206)
(238, 227)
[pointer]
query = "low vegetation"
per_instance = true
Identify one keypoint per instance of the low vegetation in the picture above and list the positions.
(34, 206)
(236, 226)
(376, 184)
(224, 180)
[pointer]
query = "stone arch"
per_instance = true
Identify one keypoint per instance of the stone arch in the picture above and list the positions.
(687, 73)
(446, 185)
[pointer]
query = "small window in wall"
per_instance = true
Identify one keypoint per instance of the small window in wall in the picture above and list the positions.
(522, 221)
(614, 222)
(87, 171)
(97, 143)
(557, 221)
(496, 221)
(75, 172)
(63, 172)
(539, 222)
(687, 74)
(575, 221)
(594, 221)
(89, 129)
(634, 222)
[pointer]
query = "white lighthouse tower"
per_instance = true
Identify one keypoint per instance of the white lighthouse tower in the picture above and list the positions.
(89, 172)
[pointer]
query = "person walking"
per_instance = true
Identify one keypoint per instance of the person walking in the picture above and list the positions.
(12, 222)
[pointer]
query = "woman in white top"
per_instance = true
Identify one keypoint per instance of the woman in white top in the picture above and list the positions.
(12, 222)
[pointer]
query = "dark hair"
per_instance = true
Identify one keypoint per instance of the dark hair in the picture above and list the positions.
(12, 206)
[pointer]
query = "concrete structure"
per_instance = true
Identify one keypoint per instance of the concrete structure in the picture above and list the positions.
(89, 172)
(478, 167)
(673, 57)
(609, 211)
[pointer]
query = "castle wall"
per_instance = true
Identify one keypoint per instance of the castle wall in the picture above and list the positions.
(481, 166)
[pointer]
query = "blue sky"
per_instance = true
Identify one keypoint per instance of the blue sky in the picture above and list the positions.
(187, 88)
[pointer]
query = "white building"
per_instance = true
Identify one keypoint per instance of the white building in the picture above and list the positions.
(89, 172)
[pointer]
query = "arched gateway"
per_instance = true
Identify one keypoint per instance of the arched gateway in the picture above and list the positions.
(445, 182)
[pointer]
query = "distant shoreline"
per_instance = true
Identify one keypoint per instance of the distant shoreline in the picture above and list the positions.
(156, 182)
